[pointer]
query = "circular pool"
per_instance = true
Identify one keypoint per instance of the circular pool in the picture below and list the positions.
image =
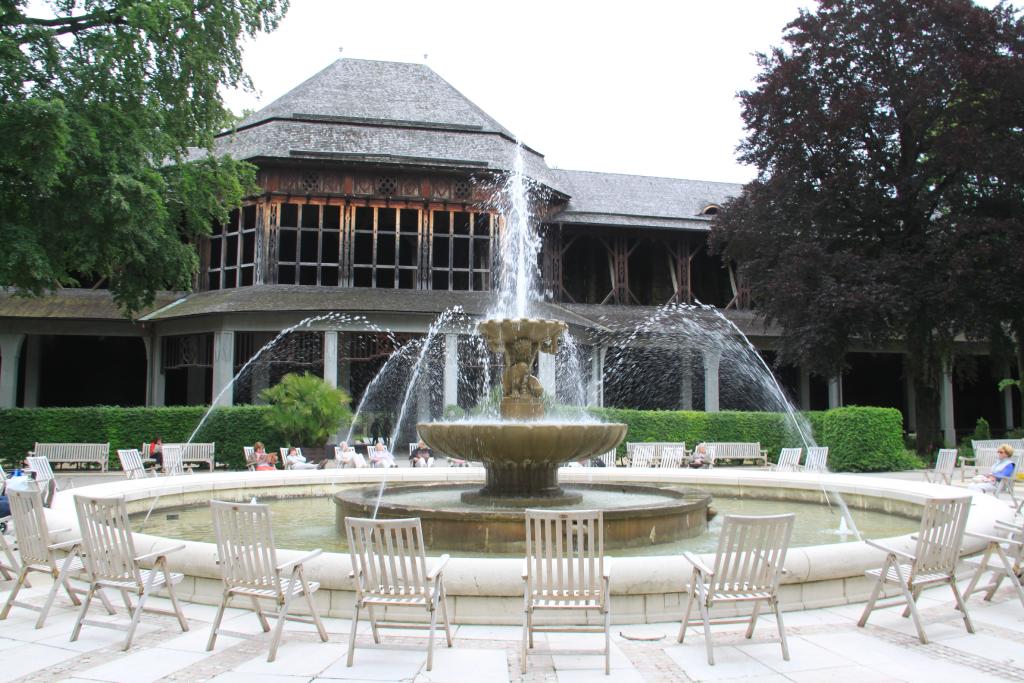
(489, 589)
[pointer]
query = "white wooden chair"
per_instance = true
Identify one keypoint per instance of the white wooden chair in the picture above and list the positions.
(111, 562)
(747, 568)
(389, 565)
(174, 461)
(981, 461)
(250, 457)
(789, 460)
(249, 569)
(817, 459)
(932, 563)
(641, 455)
(131, 463)
(45, 479)
(608, 459)
(352, 459)
(39, 554)
(9, 565)
(945, 463)
(1009, 552)
(566, 571)
(672, 456)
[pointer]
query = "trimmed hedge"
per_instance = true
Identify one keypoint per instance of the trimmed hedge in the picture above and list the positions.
(860, 439)
(229, 428)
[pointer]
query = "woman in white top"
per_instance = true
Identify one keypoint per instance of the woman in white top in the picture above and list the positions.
(380, 457)
(297, 461)
(348, 457)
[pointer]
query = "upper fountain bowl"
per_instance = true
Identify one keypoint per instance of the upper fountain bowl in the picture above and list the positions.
(522, 458)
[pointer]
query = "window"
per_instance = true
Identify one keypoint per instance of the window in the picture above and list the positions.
(385, 246)
(308, 244)
(232, 260)
(461, 250)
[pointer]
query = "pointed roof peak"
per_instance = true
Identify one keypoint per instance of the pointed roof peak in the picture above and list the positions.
(375, 91)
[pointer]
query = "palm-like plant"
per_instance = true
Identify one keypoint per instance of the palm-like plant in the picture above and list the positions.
(305, 410)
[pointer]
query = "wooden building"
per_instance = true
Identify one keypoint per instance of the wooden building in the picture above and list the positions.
(378, 184)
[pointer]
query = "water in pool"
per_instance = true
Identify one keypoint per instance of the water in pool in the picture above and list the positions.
(307, 523)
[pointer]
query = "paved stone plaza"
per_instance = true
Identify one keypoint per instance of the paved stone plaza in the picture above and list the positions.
(825, 645)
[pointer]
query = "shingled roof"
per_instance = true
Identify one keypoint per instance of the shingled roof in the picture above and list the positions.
(381, 113)
(644, 201)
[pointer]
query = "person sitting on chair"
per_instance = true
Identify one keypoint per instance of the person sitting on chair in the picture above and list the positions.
(265, 462)
(380, 457)
(1002, 469)
(156, 451)
(700, 456)
(296, 461)
(421, 455)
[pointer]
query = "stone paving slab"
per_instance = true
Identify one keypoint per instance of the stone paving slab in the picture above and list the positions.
(825, 645)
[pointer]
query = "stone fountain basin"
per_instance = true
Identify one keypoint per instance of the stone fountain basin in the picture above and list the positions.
(540, 443)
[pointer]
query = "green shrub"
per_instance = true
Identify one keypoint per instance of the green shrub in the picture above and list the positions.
(229, 428)
(305, 410)
(860, 439)
(982, 432)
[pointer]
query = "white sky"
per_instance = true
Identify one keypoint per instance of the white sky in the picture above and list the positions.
(642, 87)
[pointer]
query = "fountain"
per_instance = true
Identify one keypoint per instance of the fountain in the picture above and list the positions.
(521, 454)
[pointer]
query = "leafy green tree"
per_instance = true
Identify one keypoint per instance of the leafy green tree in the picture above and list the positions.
(885, 135)
(107, 111)
(305, 410)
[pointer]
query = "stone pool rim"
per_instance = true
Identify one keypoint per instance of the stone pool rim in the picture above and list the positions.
(489, 590)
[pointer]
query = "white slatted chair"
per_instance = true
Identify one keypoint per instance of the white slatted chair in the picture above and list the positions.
(747, 568)
(945, 462)
(789, 460)
(981, 461)
(672, 456)
(353, 459)
(932, 563)
(250, 457)
(39, 554)
(566, 571)
(249, 568)
(9, 565)
(1009, 552)
(174, 461)
(45, 479)
(111, 562)
(641, 455)
(131, 463)
(608, 459)
(389, 565)
(817, 459)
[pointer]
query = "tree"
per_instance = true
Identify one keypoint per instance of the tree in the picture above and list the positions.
(107, 110)
(305, 410)
(885, 136)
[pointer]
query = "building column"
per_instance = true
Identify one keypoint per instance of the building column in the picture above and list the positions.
(1004, 371)
(223, 367)
(154, 371)
(546, 374)
(331, 358)
(451, 370)
(835, 391)
(686, 381)
(10, 353)
(946, 415)
(712, 358)
(344, 365)
(805, 389)
(33, 352)
(595, 394)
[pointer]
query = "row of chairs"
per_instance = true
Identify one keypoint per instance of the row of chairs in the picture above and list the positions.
(134, 467)
(565, 569)
(981, 461)
(789, 460)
